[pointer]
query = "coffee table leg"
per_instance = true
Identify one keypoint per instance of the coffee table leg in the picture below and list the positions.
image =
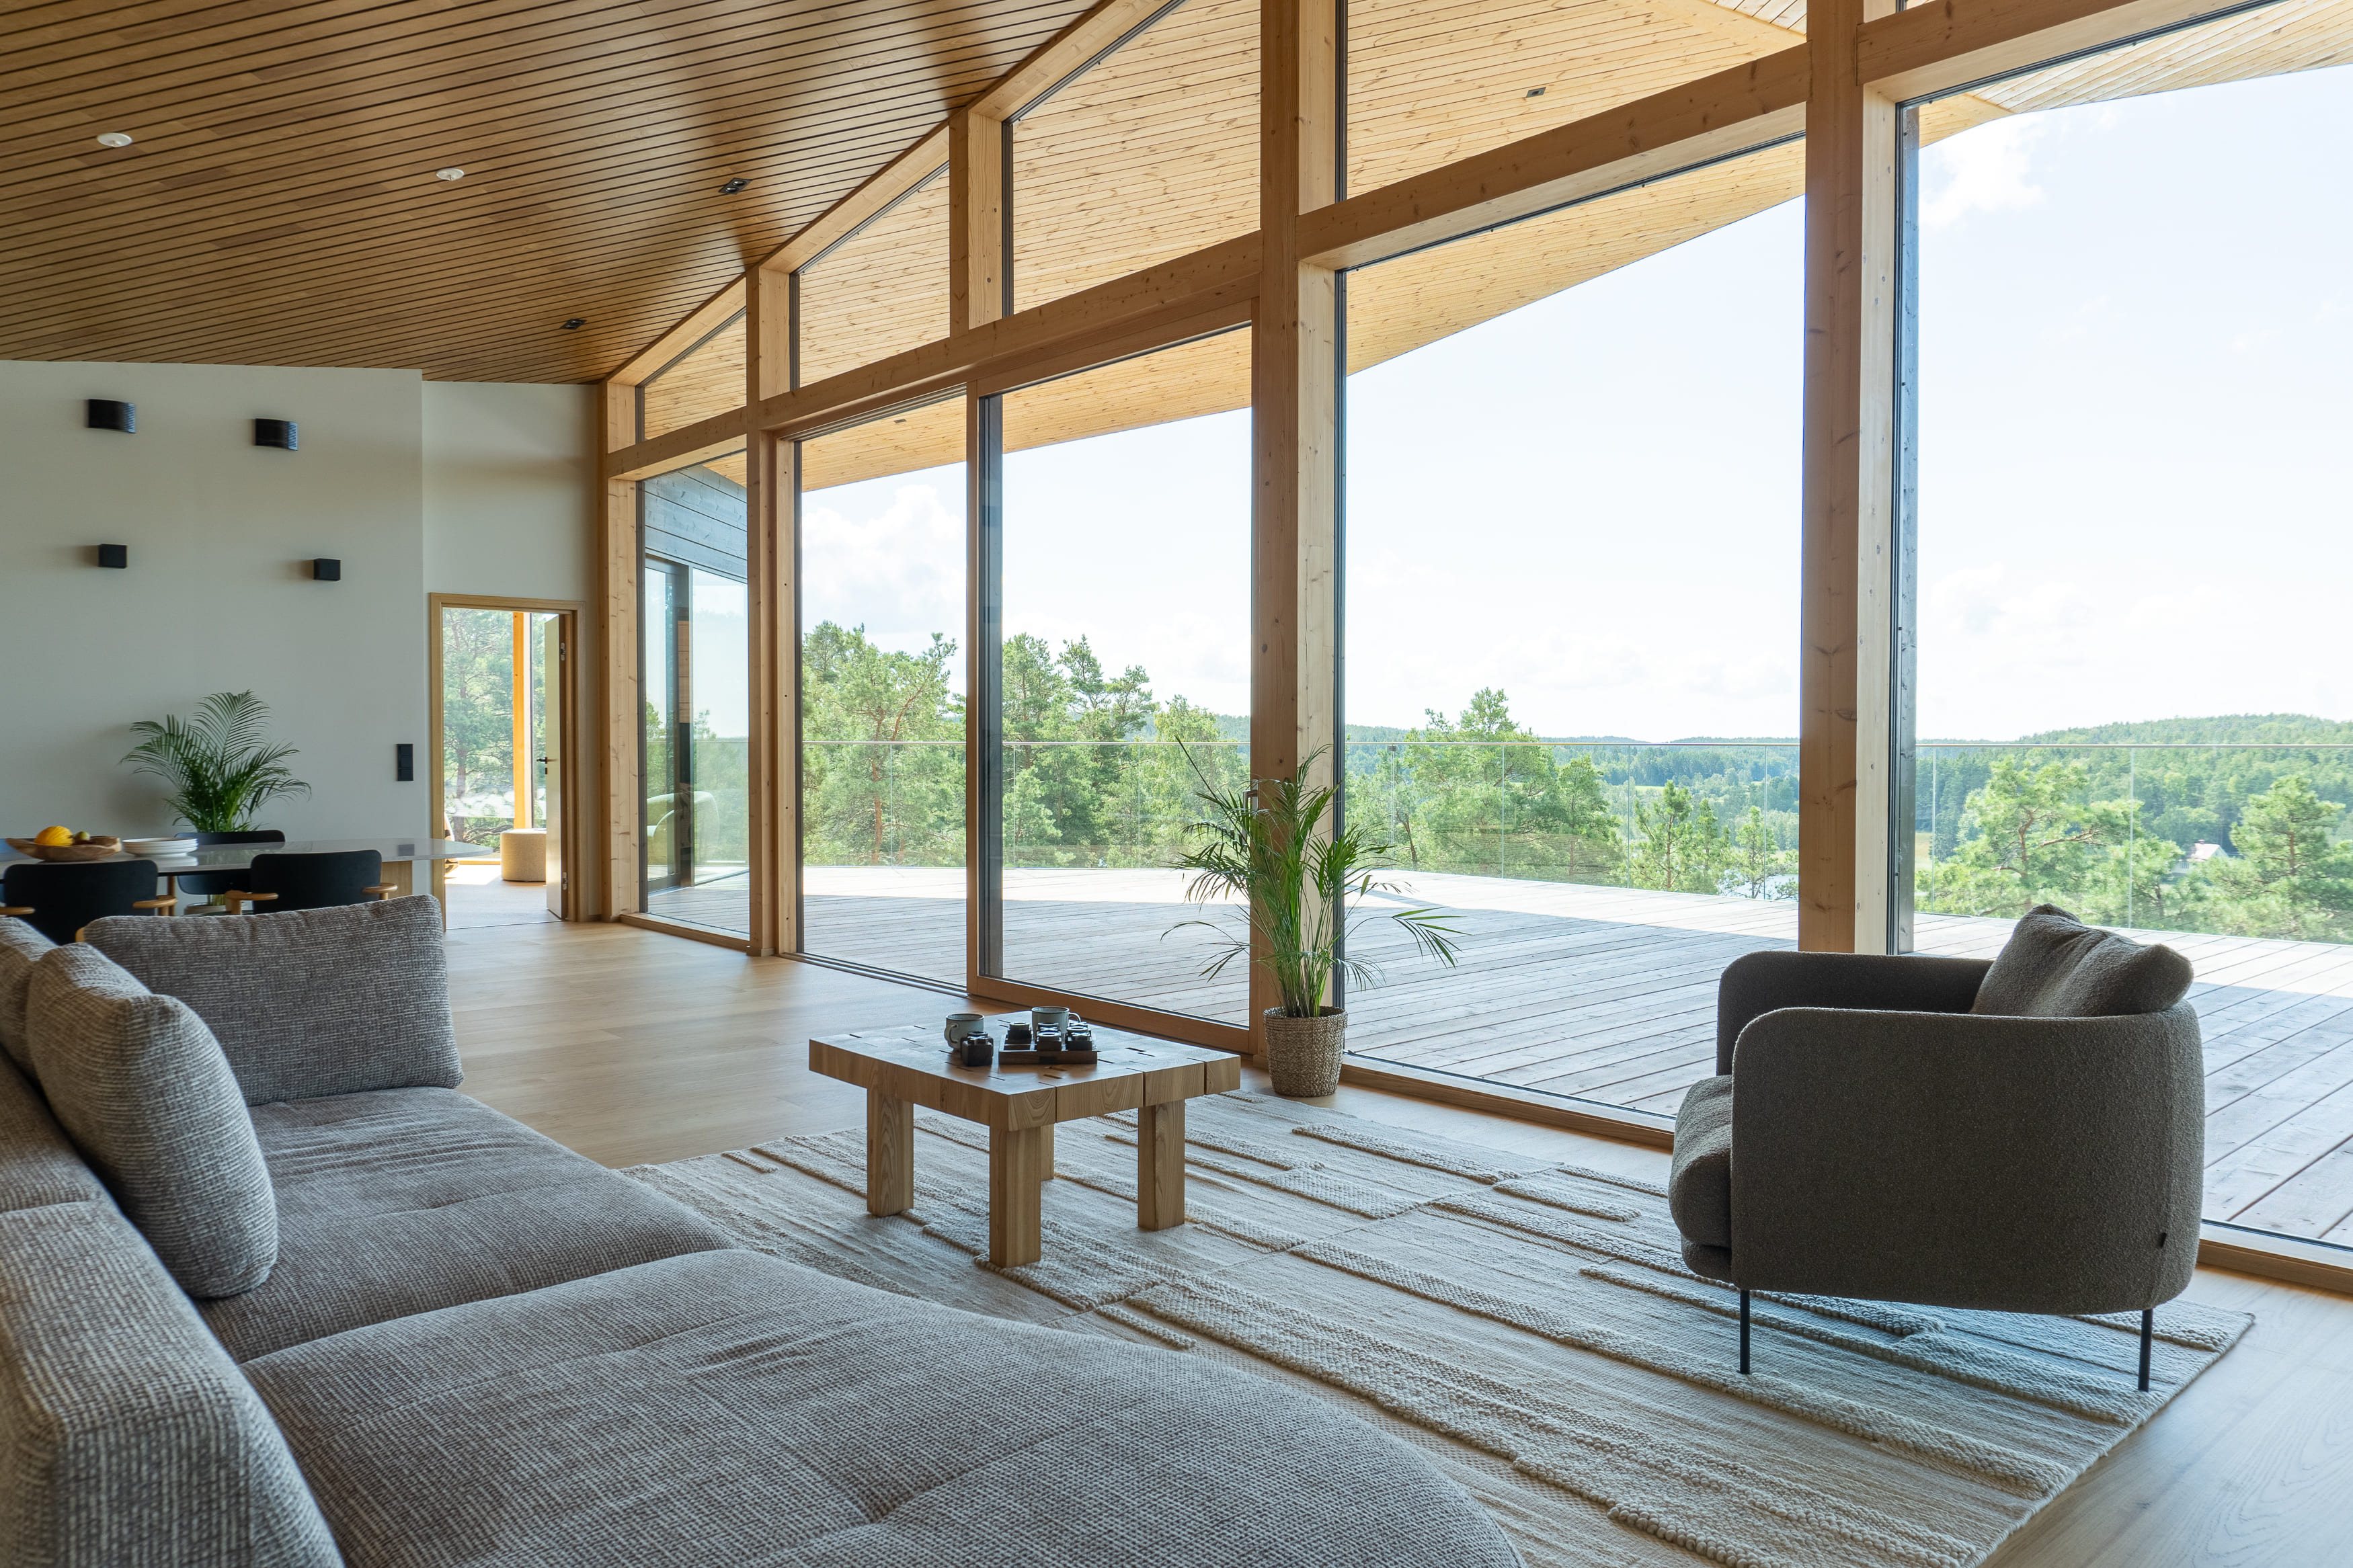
(1016, 1170)
(1160, 1165)
(1046, 1155)
(889, 1153)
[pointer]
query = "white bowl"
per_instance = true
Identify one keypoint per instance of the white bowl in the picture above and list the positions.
(159, 846)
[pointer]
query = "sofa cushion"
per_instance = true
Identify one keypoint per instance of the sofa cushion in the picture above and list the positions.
(1699, 1185)
(2055, 966)
(404, 1200)
(38, 1164)
(20, 947)
(130, 1437)
(314, 1001)
(142, 1089)
(730, 1408)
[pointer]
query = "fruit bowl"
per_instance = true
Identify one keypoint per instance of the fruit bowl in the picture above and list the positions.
(90, 850)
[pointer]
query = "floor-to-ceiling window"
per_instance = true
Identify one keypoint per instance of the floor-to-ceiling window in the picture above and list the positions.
(882, 683)
(1121, 557)
(2134, 524)
(1570, 667)
(695, 681)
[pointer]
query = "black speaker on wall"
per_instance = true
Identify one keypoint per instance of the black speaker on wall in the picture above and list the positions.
(326, 569)
(278, 433)
(114, 555)
(105, 414)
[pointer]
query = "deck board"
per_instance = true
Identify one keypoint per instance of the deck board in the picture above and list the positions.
(1607, 995)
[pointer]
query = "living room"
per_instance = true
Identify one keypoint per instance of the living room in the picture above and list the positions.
(842, 785)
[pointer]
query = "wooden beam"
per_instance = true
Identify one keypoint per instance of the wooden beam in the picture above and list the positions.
(1714, 117)
(692, 328)
(846, 217)
(1070, 49)
(1848, 459)
(976, 220)
(1295, 396)
(612, 840)
(1933, 47)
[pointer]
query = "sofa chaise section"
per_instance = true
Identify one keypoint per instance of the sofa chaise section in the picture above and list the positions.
(731, 1410)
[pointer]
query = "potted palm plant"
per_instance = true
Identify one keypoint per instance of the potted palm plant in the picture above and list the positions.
(220, 765)
(1304, 888)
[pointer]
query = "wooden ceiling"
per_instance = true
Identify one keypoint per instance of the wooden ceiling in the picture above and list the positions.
(277, 205)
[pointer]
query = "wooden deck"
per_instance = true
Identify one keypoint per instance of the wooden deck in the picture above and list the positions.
(1607, 995)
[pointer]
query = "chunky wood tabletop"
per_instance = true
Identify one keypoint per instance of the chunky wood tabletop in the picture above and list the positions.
(904, 1067)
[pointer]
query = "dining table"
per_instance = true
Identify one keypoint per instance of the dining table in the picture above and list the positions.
(401, 857)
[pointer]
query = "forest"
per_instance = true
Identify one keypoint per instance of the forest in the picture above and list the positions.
(2230, 823)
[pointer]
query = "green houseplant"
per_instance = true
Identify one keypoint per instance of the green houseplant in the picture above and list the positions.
(1305, 887)
(220, 764)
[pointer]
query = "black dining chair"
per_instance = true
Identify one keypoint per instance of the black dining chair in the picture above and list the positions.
(58, 898)
(310, 881)
(212, 884)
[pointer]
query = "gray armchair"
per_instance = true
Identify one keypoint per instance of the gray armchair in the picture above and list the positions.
(2026, 1135)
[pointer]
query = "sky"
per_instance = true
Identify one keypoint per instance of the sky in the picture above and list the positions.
(2135, 477)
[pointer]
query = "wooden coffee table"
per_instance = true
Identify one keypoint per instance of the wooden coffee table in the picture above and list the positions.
(905, 1067)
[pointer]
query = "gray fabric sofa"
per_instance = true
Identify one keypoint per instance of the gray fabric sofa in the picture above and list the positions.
(474, 1347)
(2024, 1135)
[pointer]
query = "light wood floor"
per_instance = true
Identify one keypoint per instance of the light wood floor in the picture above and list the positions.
(629, 1047)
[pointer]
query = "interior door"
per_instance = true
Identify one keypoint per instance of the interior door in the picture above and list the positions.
(553, 691)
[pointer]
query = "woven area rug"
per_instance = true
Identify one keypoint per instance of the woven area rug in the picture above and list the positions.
(1530, 1324)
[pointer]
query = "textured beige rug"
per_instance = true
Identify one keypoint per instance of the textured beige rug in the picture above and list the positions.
(1531, 1325)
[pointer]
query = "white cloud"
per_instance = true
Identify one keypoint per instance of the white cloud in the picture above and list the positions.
(1983, 170)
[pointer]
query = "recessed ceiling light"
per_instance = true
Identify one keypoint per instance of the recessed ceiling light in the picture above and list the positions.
(575, 323)
(449, 173)
(112, 138)
(731, 187)
(1535, 93)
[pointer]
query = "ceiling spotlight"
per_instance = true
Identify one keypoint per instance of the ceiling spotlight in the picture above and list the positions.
(1535, 93)
(575, 323)
(449, 173)
(112, 138)
(731, 187)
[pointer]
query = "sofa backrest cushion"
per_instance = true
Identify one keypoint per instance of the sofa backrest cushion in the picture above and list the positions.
(2055, 966)
(127, 1436)
(310, 1002)
(39, 1164)
(20, 947)
(142, 1089)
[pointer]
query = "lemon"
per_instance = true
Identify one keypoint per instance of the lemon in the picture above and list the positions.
(53, 836)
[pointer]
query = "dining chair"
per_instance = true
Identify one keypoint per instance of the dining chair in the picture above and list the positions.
(212, 884)
(316, 880)
(58, 898)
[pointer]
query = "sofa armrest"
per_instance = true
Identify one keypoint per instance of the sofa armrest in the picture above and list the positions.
(2019, 1164)
(1758, 982)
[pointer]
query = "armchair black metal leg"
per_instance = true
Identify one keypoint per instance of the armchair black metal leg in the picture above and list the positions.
(1744, 1336)
(2147, 1331)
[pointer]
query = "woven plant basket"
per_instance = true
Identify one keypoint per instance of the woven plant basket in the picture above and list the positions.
(1303, 1054)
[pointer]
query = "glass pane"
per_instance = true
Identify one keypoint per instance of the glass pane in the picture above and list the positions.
(1431, 82)
(707, 379)
(1150, 154)
(882, 685)
(477, 799)
(1125, 667)
(881, 290)
(2131, 697)
(696, 663)
(1573, 720)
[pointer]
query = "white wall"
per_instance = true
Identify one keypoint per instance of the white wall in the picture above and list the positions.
(449, 487)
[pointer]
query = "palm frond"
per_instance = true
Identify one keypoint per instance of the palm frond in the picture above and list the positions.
(219, 765)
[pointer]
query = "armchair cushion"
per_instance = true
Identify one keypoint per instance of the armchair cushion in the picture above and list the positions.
(20, 947)
(2055, 966)
(1699, 1188)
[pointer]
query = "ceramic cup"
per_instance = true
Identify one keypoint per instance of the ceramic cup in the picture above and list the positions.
(1054, 1018)
(959, 1024)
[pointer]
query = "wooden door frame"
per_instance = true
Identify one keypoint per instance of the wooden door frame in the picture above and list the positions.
(572, 613)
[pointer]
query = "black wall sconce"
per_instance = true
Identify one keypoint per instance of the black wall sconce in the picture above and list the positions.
(114, 555)
(105, 414)
(278, 433)
(326, 569)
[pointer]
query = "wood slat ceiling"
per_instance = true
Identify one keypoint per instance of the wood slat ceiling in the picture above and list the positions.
(277, 205)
